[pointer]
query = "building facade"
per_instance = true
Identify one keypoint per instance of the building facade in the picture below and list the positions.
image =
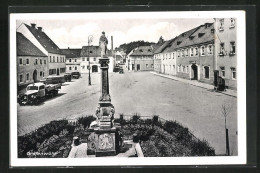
(90, 56)
(141, 59)
(226, 55)
(73, 60)
(195, 52)
(32, 63)
(56, 59)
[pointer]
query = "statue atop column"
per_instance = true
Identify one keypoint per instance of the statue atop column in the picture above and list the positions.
(103, 44)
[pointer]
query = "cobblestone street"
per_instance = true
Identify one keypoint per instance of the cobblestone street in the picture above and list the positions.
(197, 108)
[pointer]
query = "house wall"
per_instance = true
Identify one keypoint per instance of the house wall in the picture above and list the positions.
(184, 63)
(226, 34)
(157, 63)
(146, 63)
(59, 65)
(94, 61)
(24, 69)
(168, 65)
(73, 64)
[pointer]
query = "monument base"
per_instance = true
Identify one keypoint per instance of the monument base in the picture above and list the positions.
(106, 141)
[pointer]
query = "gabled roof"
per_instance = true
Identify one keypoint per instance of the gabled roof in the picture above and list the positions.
(202, 35)
(92, 51)
(142, 51)
(164, 46)
(26, 48)
(43, 39)
(71, 53)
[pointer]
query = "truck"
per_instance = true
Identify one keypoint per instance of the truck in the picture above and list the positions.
(37, 92)
(75, 75)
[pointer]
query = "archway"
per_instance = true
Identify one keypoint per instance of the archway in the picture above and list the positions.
(35, 75)
(194, 72)
(94, 68)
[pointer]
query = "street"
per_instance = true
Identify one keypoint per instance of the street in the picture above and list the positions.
(146, 94)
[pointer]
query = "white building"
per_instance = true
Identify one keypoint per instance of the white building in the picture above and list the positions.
(36, 35)
(73, 60)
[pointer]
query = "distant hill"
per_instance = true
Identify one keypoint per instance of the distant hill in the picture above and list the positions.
(127, 47)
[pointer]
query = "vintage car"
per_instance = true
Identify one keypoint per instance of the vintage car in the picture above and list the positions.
(75, 75)
(121, 70)
(67, 77)
(38, 91)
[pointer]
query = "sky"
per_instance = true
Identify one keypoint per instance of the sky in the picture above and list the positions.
(75, 33)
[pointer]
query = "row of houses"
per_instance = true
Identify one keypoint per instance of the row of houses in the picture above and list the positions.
(201, 53)
(39, 57)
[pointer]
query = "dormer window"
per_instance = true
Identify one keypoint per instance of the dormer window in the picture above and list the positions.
(178, 42)
(141, 50)
(232, 48)
(149, 50)
(232, 25)
(212, 30)
(191, 37)
(91, 51)
(184, 34)
(201, 34)
(221, 23)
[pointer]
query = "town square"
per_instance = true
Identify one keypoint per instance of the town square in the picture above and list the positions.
(109, 91)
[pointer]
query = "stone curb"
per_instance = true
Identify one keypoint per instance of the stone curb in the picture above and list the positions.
(183, 80)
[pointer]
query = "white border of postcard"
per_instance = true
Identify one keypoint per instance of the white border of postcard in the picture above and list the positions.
(241, 93)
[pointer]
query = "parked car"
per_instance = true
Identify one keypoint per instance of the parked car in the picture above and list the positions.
(75, 75)
(67, 77)
(121, 70)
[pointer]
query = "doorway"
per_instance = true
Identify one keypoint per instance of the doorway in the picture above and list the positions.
(35, 76)
(194, 72)
(94, 68)
(138, 67)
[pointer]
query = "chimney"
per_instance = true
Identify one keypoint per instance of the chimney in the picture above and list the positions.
(68, 47)
(112, 43)
(33, 25)
(40, 28)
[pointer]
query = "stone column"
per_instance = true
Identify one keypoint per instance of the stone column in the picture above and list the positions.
(105, 96)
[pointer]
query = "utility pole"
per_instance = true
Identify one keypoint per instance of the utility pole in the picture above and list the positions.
(90, 39)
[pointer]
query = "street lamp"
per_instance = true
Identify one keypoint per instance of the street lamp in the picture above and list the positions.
(90, 39)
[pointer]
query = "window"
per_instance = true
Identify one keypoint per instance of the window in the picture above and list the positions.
(69, 68)
(147, 65)
(75, 67)
(196, 51)
(53, 59)
(151, 65)
(222, 71)
(57, 59)
(222, 49)
(232, 48)
(83, 67)
(178, 68)
(221, 24)
(27, 61)
(94, 59)
(20, 78)
(187, 69)
(50, 71)
(69, 60)
(61, 59)
(50, 59)
(191, 51)
(87, 59)
(233, 73)
(83, 59)
(206, 72)
(75, 60)
(40, 61)
(53, 71)
(173, 56)
(62, 70)
(36, 61)
(210, 50)
(27, 76)
(187, 52)
(45, 61)
(202, 49)
(183, 68)
(178, 53)
(40, 73)
(182, 53)
(232, 23)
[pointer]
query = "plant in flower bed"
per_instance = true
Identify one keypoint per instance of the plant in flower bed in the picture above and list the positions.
(53, 139)
(166, 140)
